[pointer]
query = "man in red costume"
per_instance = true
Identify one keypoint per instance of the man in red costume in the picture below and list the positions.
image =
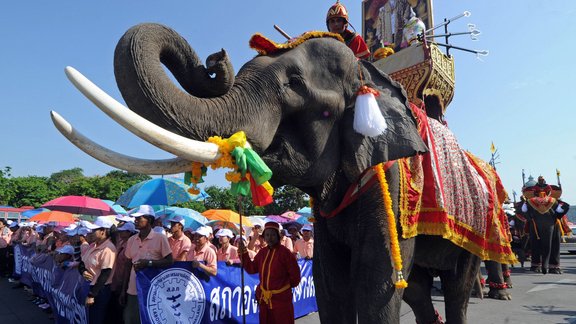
(279, 273)
(337, 22)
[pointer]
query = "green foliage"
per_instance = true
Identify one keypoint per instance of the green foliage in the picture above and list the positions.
(6, 191)
(286, 198)
(30, 191)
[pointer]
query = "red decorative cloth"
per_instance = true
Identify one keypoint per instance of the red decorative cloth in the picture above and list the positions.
(461, 196)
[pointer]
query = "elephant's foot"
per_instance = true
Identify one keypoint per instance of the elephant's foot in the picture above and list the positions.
(537, 269)
(555, 270)
(500, 294)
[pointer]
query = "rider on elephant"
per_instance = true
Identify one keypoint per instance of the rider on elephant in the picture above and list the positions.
(337, 22)
(543, 212)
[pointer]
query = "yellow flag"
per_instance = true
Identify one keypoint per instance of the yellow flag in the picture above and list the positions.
(492, 148)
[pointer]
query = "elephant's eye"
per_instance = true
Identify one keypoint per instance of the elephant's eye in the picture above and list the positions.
(295, 81)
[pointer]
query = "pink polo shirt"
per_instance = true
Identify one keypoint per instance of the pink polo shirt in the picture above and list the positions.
(306, 249)
(231, 253)
(287, 242)
(206, 255)
(99, 257)
(180, 246)
(154, 247)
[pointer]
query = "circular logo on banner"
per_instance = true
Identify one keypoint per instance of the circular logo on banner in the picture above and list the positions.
(176, 296)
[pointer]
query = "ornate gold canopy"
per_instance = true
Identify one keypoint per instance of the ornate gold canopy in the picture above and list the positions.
(422, 70)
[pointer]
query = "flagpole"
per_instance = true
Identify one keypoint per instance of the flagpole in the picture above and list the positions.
(241, 263)
(558, 178)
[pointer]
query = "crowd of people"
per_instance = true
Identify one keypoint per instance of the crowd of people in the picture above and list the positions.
(108, 251)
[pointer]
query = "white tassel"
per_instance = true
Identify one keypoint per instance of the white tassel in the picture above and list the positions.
(368, 119)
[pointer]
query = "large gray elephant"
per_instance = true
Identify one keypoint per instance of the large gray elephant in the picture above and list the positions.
(297, 108)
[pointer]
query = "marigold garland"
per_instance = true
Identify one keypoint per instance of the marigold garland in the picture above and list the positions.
(394, 245)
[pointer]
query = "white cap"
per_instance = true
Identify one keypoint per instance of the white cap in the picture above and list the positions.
(224, 232)
(66, 249)
(142, 211)
(100, 222)
(307, 227)
(125, 218)
(14, 224)
(178, 219)
(204, 230)
(127, 227)
(24, 224)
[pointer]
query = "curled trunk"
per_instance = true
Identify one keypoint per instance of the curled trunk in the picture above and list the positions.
(139, 58)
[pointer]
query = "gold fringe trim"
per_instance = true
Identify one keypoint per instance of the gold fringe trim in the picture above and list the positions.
(291, 43)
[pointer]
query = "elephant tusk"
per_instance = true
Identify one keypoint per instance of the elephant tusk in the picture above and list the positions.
(178, 145)
(115, 159)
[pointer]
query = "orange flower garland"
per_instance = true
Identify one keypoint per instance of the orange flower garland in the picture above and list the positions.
(394, 245)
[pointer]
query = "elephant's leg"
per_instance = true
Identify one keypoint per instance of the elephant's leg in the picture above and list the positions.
(418, 295)
(536, 256)
(554, 264)
(457, 285)
(332, 278)
(506, 273)
(496, 281)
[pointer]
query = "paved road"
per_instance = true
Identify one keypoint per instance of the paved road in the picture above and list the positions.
(536, 298)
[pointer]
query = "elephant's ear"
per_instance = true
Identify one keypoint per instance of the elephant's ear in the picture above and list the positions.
(401, 138)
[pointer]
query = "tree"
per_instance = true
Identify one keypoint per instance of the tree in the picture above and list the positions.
(222, 198)
(286, 198)
(6, 190)
(31, 191)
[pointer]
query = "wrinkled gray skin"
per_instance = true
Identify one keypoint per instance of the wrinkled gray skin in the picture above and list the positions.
(297, 109)
(544, 236)
(495, 271)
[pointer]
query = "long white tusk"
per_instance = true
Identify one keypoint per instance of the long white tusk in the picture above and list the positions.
(178, 145)
(115, 159)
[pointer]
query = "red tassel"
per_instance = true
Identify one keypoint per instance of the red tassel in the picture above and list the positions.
(260, 196)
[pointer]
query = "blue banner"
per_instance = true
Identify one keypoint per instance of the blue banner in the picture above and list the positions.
(181, 294)
(65, 289)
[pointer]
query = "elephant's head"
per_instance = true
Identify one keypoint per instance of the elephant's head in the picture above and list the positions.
(296, 106)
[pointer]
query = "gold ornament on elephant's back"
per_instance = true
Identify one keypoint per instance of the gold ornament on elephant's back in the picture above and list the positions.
(422, 70)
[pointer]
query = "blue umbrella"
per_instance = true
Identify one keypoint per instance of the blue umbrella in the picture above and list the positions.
(32, 212)
(159, 191)
(117, 208)
(192, 218)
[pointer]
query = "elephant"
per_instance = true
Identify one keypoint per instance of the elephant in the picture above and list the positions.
(543, 214)
(498, 280)
(296, 107)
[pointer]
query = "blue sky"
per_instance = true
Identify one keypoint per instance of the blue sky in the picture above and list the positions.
(517, 97)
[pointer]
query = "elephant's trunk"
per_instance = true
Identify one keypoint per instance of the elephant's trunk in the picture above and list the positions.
(149, 91)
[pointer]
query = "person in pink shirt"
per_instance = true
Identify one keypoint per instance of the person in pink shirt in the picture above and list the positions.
(256, 239)
(242, 239)
(179, 243)
(203, 256)
(305, 246)
(147, 249)
(121, 275)
(97, 267)
(227, 252)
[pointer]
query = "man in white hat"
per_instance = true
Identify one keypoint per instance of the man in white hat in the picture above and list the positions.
(122, 267)
(147, 249)
(203, 256)
(227, 252)
(305, 246)
(96, 267)
(179, 243)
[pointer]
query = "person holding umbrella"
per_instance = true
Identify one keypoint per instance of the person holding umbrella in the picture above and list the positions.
(147, 249)
(279, 272)
(96, 267)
